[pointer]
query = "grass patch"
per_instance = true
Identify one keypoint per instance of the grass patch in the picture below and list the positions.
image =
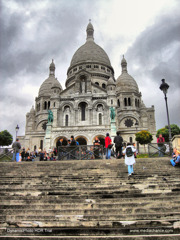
(5, 159)
(145, 155)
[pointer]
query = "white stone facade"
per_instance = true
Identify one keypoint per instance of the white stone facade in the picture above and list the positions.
(82, 109)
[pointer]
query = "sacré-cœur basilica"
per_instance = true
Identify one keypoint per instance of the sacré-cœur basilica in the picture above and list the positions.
(83, 108)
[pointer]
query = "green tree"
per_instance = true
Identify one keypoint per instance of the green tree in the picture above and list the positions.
(5, 138)
(144, 137)
(175, 130)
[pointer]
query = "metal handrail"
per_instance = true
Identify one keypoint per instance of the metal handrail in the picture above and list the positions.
(80, 152)
(161, 151)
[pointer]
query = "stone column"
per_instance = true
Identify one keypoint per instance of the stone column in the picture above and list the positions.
(76, 116)
(90, 116)
(47, 138)
(54, 117)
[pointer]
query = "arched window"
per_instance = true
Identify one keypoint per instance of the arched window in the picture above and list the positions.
(125, 102)
(66, 108)
(48, 104)
(99, 107)
(41, 144)
(130, 140)
(45, 105)
(100, 118)
(136, 102)
(66, 120)
(118, 103)
(97, 83)
(54, 104)
(129, 101)
(111, 102)
(104, 85)
(83, 111)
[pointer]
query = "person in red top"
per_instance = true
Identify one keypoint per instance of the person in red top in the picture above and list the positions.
(160, 142)
(107, 142)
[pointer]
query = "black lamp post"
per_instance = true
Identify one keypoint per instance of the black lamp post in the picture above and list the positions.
(164, 87)
(17, 128)
(136, 126)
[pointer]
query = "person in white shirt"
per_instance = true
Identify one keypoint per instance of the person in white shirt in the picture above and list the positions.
(129, 157)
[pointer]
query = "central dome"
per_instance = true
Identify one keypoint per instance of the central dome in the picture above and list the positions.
(90, 57)
(90, 52)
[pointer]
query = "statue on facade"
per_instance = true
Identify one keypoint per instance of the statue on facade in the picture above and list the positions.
(112, 113)
(50, 116)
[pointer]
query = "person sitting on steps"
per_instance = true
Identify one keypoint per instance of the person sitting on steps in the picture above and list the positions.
(176, 157)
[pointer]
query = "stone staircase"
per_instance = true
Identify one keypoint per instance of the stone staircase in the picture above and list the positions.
(89, 200)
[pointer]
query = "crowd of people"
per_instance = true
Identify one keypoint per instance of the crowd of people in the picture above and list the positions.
(116, 148)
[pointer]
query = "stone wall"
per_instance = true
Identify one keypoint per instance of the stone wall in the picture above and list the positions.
(176, 142)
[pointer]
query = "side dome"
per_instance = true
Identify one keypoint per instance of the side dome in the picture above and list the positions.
(125, 82)
(51, 81)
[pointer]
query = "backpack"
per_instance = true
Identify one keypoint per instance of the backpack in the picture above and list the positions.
(129, 152)
(118, 141)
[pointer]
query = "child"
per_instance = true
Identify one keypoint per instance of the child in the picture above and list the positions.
(129, 158)
(176, 157)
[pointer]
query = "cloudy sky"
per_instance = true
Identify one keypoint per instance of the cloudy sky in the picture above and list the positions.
(32, 32)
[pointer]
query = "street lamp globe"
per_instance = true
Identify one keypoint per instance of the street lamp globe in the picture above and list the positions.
(164, 86)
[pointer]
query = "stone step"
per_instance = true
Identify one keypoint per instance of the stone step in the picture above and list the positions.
(47, 199)
(85, 217)
(88, 211)
(91, 227)
(94, 199)
(117, 237)
(87, 185)
(90, 204)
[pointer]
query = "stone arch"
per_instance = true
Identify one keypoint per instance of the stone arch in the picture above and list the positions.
(64, 104)
(81, 140)
(40, 122)
(101, 138)
(57, 137)
(64, 143)
(83, 100)
(99, 102)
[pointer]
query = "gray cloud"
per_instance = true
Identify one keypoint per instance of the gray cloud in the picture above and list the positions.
(30, 36)
(38, 31)
(155, 52)
(156, 49)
